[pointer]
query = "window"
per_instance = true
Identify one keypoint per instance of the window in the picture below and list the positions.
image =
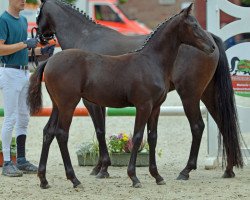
(105, 13)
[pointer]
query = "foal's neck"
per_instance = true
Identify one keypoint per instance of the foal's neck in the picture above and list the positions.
(163, 47)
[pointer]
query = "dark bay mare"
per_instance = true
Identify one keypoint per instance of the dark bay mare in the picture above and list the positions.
(149, 75)
(204, 77)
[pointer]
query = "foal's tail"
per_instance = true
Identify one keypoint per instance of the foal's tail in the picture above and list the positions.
(34, 98)
(226, 107)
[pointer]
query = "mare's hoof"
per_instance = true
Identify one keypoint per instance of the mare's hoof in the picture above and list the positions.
(228, 174)
(102, 175)
(162, 182)
(183, 177)
(137, 185)
(45, 186)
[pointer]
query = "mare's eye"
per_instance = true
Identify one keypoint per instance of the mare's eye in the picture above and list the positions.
(195, 26)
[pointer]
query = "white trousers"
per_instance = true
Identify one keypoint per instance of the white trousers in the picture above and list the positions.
(14, 84)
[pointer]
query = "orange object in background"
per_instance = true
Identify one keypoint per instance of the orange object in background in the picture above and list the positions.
(13, 158)
(110, 15)
(45, 112)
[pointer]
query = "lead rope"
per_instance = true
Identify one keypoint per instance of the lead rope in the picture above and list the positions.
(33, 54)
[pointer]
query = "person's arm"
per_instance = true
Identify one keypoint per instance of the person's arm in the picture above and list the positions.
(7, 49)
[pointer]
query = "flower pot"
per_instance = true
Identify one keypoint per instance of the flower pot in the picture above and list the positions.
(117, 159)
(13, 158)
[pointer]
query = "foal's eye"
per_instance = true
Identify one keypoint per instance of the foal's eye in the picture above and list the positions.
(195, 26)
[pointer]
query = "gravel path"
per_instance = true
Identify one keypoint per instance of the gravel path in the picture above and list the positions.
(174, 139)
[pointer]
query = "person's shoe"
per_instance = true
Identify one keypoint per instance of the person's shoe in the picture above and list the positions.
(26, 167)
(9, 169)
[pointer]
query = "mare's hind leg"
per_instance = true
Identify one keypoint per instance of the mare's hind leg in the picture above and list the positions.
(193, 113)
(48, 136)
(152, 140)
(209, 100)
(97, 114)
(62, 135)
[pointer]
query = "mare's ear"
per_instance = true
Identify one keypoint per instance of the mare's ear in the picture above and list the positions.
(186, 11)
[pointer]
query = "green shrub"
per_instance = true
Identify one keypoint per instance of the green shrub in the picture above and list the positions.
(12, 146)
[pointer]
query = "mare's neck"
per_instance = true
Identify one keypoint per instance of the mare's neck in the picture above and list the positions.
(70, 29)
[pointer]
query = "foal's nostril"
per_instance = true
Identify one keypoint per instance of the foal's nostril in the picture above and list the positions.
(213, 47)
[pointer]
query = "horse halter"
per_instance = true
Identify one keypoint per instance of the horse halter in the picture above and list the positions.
(43, 39)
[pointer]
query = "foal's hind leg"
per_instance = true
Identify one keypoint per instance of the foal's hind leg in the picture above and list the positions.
(62, 135)
(192, 110)
(97, 114)
(209, 100)
(152, 140)
(48, 136)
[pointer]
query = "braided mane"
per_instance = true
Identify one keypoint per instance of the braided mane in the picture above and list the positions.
(155, 31)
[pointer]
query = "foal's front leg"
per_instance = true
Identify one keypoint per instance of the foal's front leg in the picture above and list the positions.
(142, 114)
(152, 141)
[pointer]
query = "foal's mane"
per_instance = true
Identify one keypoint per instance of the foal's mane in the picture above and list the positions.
(156, 30)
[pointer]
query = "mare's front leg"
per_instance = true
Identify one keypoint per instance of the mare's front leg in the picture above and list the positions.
(48, 136)
(97, 114)
(142, 115)
(197, 125)
(152, 141)
(62, 135)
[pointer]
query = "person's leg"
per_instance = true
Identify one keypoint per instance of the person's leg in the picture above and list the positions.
(21, 131)
(10, 96)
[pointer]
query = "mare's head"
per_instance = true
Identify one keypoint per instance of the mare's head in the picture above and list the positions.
(45, 25)
(190, 32)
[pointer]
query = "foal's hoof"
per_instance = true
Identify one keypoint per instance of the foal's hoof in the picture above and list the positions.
(94, 172)
(78, 187)
(45, 186)
(162, 182)
(137, 185)
(183, 177)
(228, 174)
(102, 175)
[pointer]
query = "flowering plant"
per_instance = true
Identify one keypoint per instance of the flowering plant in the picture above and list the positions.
(117, 143)
(12, 146)
(123, 143)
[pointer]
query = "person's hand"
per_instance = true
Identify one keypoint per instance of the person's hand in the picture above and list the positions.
(31, 43)
(49, 49)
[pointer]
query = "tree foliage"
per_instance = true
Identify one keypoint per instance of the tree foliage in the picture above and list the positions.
(246, 2)
(32, 1)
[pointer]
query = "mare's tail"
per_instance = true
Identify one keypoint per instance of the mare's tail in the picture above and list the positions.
(34, 98)
(226, 107)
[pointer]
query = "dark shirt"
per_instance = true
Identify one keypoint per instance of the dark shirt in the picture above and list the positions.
(14, 30)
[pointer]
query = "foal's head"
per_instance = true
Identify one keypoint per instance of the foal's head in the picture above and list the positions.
(191, 33)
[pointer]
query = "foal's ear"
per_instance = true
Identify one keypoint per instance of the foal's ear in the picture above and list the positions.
(43, 1)
(186, 11)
